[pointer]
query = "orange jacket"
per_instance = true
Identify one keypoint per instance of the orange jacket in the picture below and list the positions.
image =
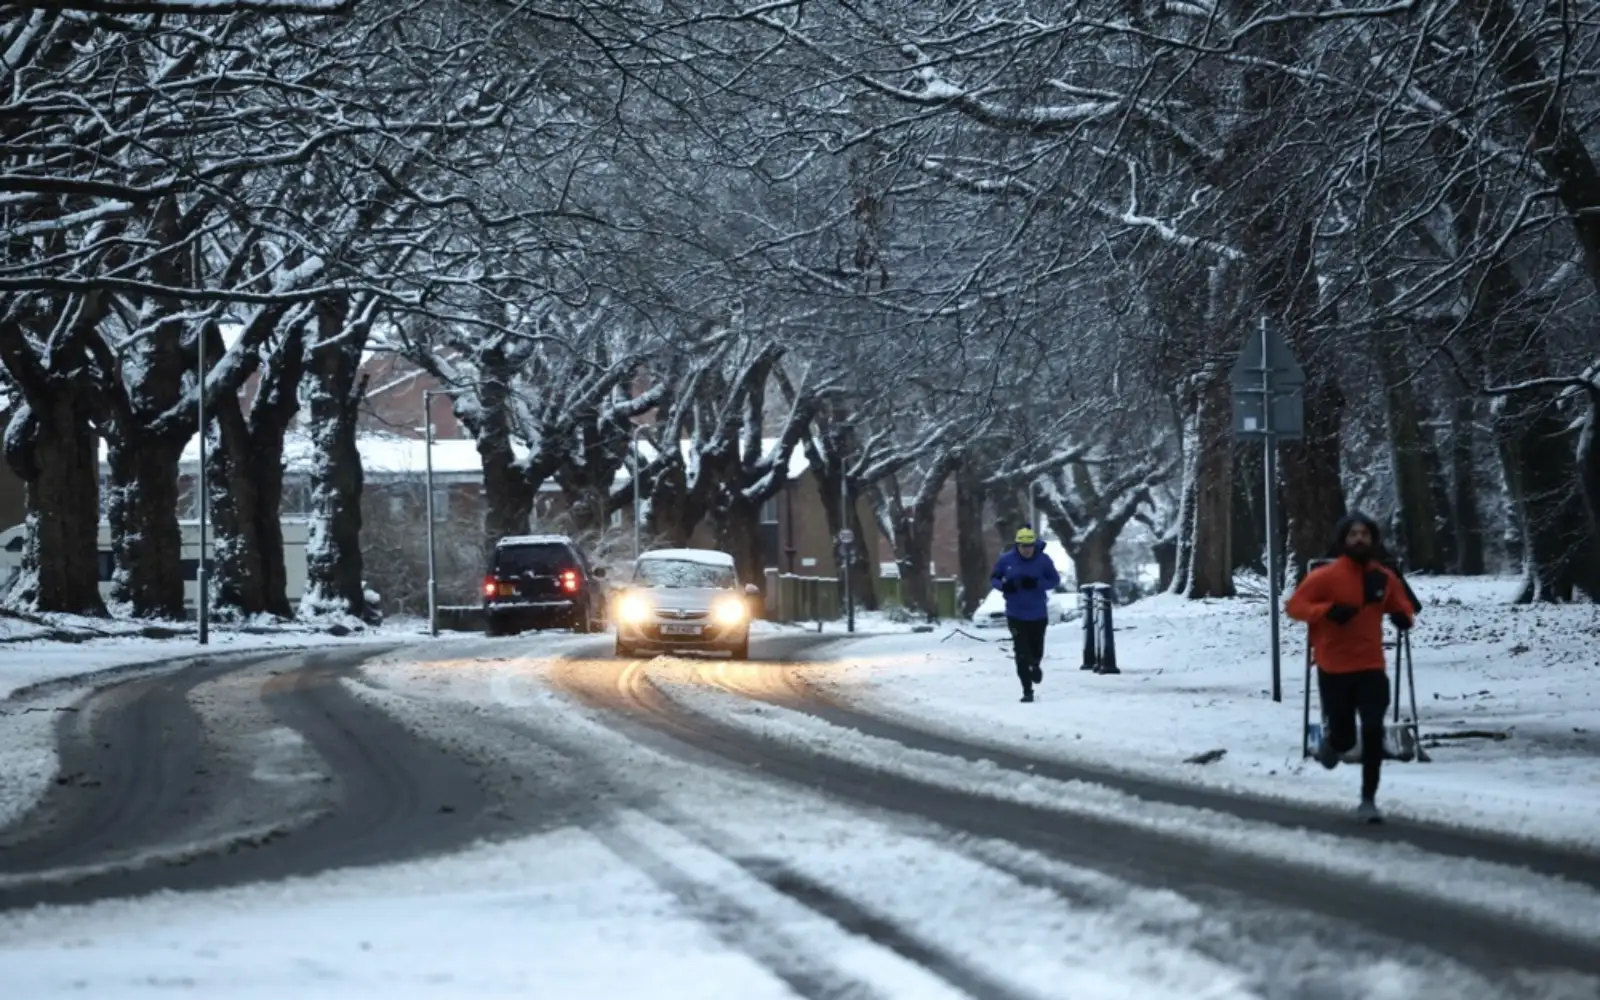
(1358, 644)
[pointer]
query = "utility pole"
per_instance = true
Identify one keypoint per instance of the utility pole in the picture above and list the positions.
(1269, 444)
(847, 539)
(202, 583)
(427, 438)
(638, 509)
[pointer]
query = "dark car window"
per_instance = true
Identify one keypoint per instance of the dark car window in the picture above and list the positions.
(682, 573)
(540, 560)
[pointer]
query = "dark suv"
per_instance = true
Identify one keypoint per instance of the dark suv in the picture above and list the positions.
(542, 581)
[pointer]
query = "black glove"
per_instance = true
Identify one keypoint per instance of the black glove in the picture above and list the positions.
(1008, 587)
(1377, 586)
(1339, 614)
(1028, 582)
(1401, 621)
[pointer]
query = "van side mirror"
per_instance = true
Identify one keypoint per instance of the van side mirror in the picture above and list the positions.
(599, 572)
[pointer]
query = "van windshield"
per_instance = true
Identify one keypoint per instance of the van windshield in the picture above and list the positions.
(678, 574)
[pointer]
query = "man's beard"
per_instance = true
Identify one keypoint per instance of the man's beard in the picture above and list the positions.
(1360, 552)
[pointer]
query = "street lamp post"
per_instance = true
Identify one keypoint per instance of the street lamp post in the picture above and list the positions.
(202, 606)
(638, 509)
(427, 437)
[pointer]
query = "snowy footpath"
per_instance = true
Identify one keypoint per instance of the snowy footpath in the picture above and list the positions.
(1196, 678)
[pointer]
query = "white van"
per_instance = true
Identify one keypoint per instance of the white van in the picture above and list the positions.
(296, 531)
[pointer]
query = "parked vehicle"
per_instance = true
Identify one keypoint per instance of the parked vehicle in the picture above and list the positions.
(296, 532)
(540, 582)
(992, 612)
(684, 599)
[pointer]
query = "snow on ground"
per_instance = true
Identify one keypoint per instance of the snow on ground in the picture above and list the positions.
(687, 893)
(1561, 907)
(1196, 677)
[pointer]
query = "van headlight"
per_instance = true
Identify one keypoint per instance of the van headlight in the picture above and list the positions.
(634, 610)
(730, 611)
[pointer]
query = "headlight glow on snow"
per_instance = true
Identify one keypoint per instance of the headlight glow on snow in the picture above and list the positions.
(729, 611)
(633, 609)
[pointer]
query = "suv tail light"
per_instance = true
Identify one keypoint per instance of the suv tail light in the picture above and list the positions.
(494, 587)
(569, 581)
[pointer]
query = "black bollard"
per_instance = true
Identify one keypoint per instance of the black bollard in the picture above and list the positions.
(1108, 634)
(1086, 602)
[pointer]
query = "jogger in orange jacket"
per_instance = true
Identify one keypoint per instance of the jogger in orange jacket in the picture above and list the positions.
(1344, 604)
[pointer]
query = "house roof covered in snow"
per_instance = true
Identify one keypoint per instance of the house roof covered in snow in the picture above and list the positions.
(391, 455)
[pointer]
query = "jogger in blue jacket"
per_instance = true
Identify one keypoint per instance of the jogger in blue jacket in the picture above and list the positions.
(1026, 576)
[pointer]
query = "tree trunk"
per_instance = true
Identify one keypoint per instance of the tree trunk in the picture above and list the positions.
(1210, 569)
(1091, 557)
(1249, 524)
(863, 582)
(1464, 509)
(142, 508)
(56, 454)
(240, 576)
(913, 552)
(1588, 459)
(334, 571)
(1009, 515)
(1536, 446)
(738, 527)
(673, 512)
(1165, 553)
(972, 554)
(1411, 453)
(508, 489)
(1311, 488)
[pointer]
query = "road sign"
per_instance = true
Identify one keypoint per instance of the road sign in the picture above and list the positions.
(847, 537)
(1268, 386)
(1287, 421)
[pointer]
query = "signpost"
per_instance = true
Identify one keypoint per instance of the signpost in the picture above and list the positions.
(847, 541)
(1269, 403)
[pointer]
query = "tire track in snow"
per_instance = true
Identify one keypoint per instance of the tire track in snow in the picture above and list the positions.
(739, 925)
(785, 689)
(148, 782)
(1141, 856)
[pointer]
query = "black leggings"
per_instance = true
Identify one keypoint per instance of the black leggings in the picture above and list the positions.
(1346, 697)
(1027, 642)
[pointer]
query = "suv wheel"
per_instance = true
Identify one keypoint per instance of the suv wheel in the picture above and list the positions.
(581, 622)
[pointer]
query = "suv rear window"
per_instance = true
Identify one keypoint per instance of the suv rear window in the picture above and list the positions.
(540, 560)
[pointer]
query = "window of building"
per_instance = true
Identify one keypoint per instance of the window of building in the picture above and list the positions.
(441, 505)
(769, 510)
(397, 507)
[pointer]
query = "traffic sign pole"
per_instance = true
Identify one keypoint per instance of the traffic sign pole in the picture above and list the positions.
(1270, 446)
(1267, 401)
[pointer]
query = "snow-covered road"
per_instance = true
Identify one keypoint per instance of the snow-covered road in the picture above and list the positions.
(531, 817)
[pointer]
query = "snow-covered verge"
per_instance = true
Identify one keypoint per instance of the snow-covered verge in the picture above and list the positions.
(99, 645)
(1196, 677)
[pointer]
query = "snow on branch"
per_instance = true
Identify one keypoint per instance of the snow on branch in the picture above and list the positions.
(322, 7)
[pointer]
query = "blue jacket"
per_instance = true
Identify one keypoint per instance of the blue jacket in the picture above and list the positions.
(1026, 603)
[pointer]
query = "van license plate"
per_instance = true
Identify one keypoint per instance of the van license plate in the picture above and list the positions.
(681, 629)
